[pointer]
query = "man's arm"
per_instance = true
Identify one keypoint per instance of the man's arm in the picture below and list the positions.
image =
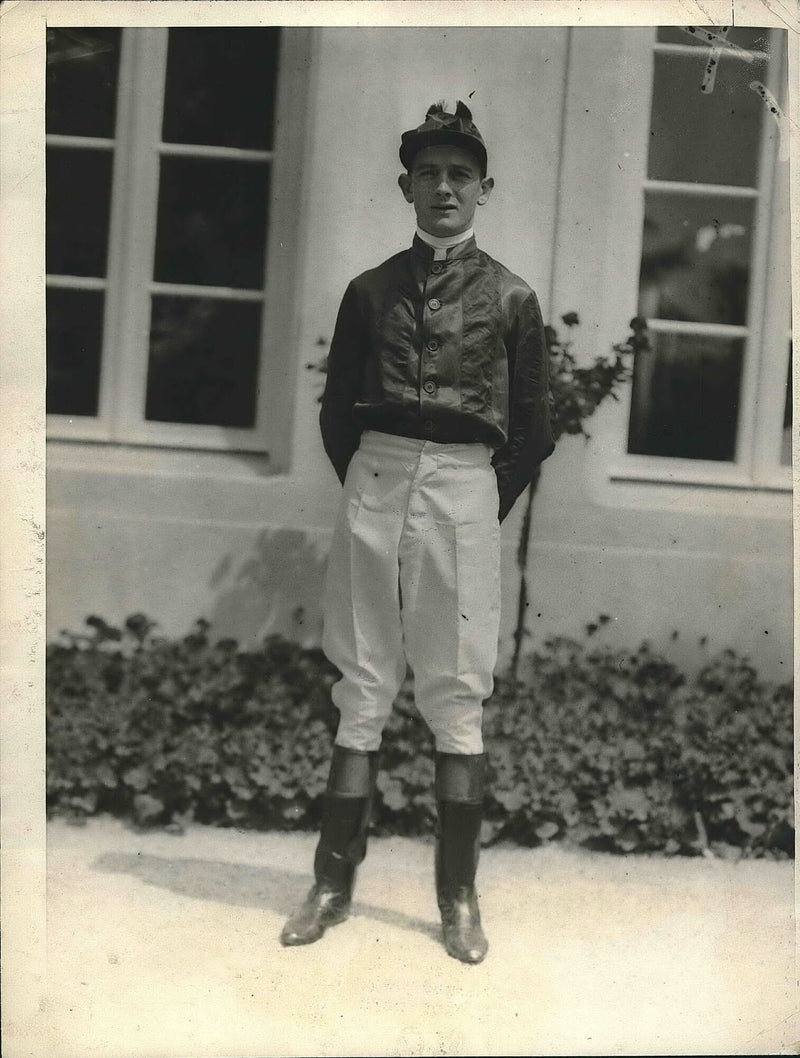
(530, 438)
(340, 435)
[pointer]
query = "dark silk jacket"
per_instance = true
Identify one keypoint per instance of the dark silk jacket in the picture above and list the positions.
(447, 351)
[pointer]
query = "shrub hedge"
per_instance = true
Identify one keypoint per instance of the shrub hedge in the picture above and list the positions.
(600, 747)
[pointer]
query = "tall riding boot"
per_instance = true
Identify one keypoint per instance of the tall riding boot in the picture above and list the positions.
(459, 797)
(342, 845)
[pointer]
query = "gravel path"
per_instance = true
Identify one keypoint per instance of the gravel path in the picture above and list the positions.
(166, 945)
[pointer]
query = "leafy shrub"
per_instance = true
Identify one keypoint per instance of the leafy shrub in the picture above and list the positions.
(170, 731)
(598, 747)
(620, 751)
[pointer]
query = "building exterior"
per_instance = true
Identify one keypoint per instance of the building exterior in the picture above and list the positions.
(206, 209)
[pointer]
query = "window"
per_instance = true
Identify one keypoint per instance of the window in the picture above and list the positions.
(711, 402)
(167, 169)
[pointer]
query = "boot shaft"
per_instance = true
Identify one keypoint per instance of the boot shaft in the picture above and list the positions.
(458, 848)
(460, 777)
(460, 785)
(347, 807)
(352, 772)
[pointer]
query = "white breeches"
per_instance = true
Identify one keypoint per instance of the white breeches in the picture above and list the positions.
(414, 576)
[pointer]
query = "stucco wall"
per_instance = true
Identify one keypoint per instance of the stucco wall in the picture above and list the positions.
(182, 535)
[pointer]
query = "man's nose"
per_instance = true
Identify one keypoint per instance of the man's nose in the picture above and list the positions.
(443, 187)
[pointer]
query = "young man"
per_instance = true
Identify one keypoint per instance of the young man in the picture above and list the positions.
(435, 416)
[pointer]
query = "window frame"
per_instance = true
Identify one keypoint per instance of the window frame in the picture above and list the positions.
(129, 282)
(765, 360)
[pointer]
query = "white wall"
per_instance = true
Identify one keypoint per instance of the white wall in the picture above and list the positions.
(182, 535)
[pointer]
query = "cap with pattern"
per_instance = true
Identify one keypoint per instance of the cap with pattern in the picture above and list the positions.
(457, 130)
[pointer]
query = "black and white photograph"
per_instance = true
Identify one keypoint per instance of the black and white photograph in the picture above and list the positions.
(398, 575)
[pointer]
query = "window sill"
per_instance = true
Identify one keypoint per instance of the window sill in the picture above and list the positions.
(104, 457)
(723, 491)
(722, 478)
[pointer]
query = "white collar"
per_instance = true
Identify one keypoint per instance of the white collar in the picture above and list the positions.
(444, 243)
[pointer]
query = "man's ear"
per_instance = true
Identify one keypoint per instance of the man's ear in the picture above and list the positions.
(404, 183)
(486, 189)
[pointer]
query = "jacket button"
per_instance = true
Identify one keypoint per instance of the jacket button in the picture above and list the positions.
(429, 386)
(437, 268)
(434, 304)
(432, 345)
(428, 426)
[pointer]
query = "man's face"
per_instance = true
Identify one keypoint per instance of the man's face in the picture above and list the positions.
(445, 187)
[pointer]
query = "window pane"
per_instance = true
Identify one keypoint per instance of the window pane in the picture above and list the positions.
(220, 87)
(74, 343)
(711, 138)
(203, 363)
(212, 218)
(786, 444)
(77, 208)
(82, 70)
(754, 39)
(695, 258)
(685, 397)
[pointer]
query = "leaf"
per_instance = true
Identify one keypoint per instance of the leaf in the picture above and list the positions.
(490, 828)
(106, 776)
(146, 807)
(263, 775)
(727, 851)
(630, 802)
(87, 802)
(748, 825)
(546, 830)
(138, 778)
(292, 811)
(632, 749)
(392, 792)
(139, 626)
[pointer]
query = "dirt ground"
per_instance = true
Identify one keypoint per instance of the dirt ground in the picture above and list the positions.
(168, 945)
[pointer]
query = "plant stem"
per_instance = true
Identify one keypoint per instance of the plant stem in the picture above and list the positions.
(522, 564)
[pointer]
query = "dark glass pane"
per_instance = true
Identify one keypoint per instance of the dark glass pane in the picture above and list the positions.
(695, 258)
(685, 397)
(74, 344)
(221, 87)
(752, 38)
(786, 445)
(212, 220)
(705, 137)
(77, 208)
(203, 361)
(82, 71)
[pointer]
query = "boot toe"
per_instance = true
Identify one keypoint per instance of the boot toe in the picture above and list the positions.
(474, 955)
(472, 950)
(322, 908)
(290, 938)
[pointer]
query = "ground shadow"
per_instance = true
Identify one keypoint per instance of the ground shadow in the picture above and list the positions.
(242, 885)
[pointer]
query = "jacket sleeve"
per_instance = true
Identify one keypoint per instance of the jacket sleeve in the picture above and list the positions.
(340, 434)
(530, 437)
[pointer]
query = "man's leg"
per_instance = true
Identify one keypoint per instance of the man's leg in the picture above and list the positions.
(450, 578)
(362, 632)
(342, 846)
(363, 638)
(459, 799)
